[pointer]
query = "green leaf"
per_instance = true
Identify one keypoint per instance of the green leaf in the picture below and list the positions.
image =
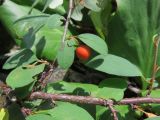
(10, 12)
(46, 42)
(24, 91)
(115, 65)
(96, 19)
(92, 4)
(39, 117)
(131, 32)
(68, 111)
(153, 118)
(23, 57)
(123, 113)
(77, 14)
(15, 112)
(95, 42)
(74, 88)
(31, 21)
(55, 3)
(110, 89)
(20, 76)
(102, 18)
(155, 94)
(54, 21)
(65, 56)
(4, 114)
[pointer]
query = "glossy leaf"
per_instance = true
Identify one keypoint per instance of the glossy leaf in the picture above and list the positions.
(115, 65)
(65, 56)
(21, 76)
(130, 34)
(23, 57)
(39, 117)
(110, 89)
(95, 42)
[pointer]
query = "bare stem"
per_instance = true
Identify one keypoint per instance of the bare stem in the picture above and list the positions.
(114, 112)
(155, 66)
(67, 22)
(92, 100)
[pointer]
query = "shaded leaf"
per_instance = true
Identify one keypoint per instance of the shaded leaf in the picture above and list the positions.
(23, 57)
(74, 88)
(24, 91)
(15, 112)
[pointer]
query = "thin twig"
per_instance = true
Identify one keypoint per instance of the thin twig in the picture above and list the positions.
(70, 98)
(67, 22)
(92, 100)
(155, 66)
(114, 112)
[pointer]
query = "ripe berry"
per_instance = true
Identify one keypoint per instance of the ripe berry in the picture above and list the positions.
(83, 52)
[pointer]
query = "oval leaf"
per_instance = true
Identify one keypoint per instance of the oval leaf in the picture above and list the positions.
(65, 57)
(95, 42)
(20, 77)
(68, 111)
(115, 65)
(24, 56)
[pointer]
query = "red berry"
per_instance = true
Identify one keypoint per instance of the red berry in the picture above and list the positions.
(83, 52)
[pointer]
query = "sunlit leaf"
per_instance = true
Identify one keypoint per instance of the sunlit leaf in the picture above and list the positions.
(110, 89)
(21, 76)
(39, 117)
(95, 42)
(55, 3)
(115, 65)
(4, 114)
